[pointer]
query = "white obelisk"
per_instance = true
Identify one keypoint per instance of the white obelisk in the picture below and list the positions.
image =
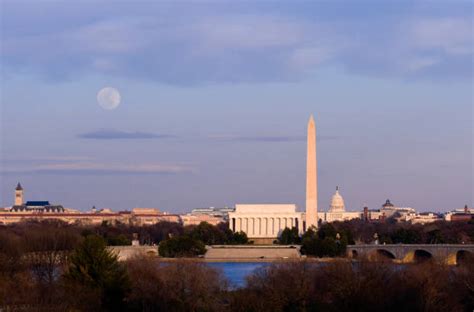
(311, 178)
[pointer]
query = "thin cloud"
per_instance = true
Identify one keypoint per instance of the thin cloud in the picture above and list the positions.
(187, 47)
(102, 168)
(105, 134)
(33, 158)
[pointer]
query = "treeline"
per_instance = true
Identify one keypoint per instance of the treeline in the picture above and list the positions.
(325, 241)
(91, 279)
(331, 239)
(362, 232)
(174, 239)
(364, 286)
(440, 232)
(192, 241)
(122, 234)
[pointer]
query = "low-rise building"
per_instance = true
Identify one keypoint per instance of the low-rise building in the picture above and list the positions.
(464, 214)
(191, 219)
(426, 217)
(213, 211)
(389, 210)
(43, 210)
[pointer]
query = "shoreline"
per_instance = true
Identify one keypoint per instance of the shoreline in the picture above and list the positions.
(253, 260)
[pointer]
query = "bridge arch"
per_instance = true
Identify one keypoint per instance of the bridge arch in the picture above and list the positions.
(421, 255)
(381, 255)
(451, 254)
(417, 256)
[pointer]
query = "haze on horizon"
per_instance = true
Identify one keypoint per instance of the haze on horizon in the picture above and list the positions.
(215, 98)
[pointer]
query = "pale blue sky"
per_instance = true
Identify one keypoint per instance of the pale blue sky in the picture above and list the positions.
(216, 97)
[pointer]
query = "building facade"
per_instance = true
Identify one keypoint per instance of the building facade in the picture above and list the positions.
(191, 219)
(389, 210)
(43, 210)
(465, 214)
(213, 211)
(265, 221)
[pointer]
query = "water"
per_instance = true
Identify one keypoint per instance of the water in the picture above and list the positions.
(236, 272)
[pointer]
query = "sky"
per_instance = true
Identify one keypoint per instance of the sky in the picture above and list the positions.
(216, 96)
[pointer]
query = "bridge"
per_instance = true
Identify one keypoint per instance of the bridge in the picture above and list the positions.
(401, 253)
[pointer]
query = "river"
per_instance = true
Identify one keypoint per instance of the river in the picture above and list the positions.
(236, 272)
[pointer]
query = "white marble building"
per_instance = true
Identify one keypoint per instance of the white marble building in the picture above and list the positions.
(337, 210)
(265, 221)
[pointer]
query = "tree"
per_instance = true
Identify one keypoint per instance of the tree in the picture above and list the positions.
(239, 238)
(47, 250)
(94, 267)
(326, 242)
(289, 236)
(181, 246)
(208, 234)
(327, 230)
(119, 240)
(160, 231)
(216, 235)
(406, 236)
(175, 286)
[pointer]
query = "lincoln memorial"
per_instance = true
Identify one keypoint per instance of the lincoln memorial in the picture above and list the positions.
(265, 222)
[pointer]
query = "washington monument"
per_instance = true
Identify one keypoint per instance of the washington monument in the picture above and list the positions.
(311, 177)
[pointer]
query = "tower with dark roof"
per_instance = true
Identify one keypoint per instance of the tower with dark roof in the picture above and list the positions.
(18, 195)
(387, 204)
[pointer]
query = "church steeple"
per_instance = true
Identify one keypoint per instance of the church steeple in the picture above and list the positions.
(18, 195)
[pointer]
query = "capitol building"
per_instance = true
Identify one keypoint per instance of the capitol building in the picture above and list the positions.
(337, 210)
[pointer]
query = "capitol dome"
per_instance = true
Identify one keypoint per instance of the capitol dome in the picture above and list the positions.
(337, 202)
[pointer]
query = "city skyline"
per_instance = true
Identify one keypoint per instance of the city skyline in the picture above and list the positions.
(214, 116)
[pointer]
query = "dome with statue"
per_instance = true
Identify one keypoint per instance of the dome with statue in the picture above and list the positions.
(337, 202)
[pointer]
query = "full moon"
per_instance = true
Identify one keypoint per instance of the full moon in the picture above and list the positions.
(108, 98)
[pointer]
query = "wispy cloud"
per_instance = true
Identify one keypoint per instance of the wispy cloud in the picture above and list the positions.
(53, 158)
(211, 44)
(105, 134)
(101, 168)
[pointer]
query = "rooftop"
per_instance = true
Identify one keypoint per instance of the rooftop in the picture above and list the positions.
(37, 203)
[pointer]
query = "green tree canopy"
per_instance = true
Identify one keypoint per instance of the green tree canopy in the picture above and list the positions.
(289, 236)
(208, 234)
(93, 266)
(181, 246)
